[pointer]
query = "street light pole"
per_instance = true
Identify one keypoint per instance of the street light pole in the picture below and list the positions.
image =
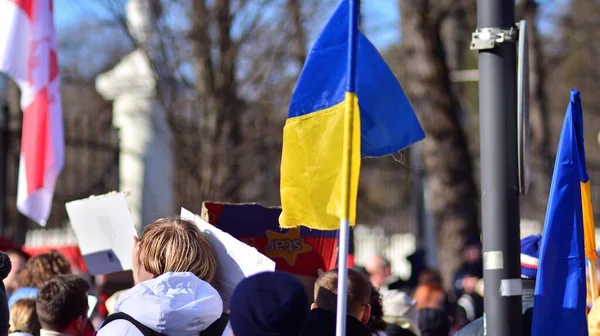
(495, 41)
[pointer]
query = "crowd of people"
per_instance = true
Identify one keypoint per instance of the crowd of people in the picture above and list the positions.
(174, 266)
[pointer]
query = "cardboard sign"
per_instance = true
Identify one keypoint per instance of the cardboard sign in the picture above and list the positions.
(236, 260)
(298, 251)
(104, 228)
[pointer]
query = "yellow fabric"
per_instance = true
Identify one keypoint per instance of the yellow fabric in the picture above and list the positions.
(589, 231)
(312, 165)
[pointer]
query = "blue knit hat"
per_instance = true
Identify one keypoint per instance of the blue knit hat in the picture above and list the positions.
(269, 304)
(530, 254)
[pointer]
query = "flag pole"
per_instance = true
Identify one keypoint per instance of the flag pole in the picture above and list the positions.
(347, 169)
(593, 279)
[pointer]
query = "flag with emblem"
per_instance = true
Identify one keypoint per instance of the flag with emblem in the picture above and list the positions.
(299, 251)
(28, 57)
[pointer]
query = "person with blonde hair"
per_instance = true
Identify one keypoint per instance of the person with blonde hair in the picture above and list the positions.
(37, 271)
(24, 319)
(173, 265)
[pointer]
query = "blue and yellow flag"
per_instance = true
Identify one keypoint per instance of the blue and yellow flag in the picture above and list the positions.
(560, 293)
(313, 138)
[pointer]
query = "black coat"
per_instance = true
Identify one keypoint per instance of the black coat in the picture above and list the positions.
(322, 323)
(475, 328)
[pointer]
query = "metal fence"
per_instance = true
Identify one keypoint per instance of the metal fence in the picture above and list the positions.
(91, 166)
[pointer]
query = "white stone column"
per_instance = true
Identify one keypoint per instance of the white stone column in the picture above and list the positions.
(145, 137)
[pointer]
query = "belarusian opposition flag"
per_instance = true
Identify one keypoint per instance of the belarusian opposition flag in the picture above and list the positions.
(28, 57)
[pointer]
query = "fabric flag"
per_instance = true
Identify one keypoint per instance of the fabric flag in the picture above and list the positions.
(28, 57)
(313, 137)
(560, 293)
(300, 251)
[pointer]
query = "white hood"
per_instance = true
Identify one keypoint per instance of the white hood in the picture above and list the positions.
(172, 304)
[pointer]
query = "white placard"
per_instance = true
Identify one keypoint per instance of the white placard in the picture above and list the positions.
(105, 229)
(235, 259)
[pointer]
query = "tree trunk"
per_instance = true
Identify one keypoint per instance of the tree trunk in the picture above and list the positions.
(217, 94)
(298, 36)
(446, 157)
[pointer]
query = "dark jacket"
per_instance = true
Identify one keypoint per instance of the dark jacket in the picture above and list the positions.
(321, 322)
(475, 328)
(472, 306)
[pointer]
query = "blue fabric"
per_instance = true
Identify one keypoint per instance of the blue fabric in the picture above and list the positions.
(560, 292)
(388, 121)
(270, 303)
(22, 293)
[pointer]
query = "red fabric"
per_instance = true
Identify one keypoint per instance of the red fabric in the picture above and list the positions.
(101, 307)
(7, 245)
(71, 252)
(350, 261)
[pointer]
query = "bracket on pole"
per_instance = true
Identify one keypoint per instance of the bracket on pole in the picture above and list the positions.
(488, 38)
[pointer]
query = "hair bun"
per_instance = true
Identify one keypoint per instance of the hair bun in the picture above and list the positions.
(5, 265)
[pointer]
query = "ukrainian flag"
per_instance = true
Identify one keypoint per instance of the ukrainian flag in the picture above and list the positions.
(568, 237)
(313, 138)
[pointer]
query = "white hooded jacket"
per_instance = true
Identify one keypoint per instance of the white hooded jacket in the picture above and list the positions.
(172, 304)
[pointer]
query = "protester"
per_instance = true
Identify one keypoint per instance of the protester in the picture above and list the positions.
(430, 277)
(173, 264)
(5, 268)
(471, 263)
(400, 314)
(433, 322)
(24, 319)
(470, 301)
(430, 295)
(380, 271)
(269, 304)
(18, 259)
(62, 306)
(530, 252)
(37, 271)
(376, 323)
(322, 317)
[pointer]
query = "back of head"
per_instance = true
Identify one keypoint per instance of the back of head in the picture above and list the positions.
(377, 264)
(62, 301)
(270, 303)
(428, 296)
(433, 322)
(24, 318)
(177, 245)
(42, 268)
(376, 322)
(394, 330)
(359, 291)
(431, 278)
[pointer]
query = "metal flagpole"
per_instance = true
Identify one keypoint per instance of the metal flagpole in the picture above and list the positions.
(593, 279)
(4, 146)
(342, 296)
(495, 40)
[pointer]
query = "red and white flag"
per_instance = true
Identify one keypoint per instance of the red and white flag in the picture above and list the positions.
(28, 57)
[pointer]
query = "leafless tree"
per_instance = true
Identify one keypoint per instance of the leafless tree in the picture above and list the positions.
(446, 157)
